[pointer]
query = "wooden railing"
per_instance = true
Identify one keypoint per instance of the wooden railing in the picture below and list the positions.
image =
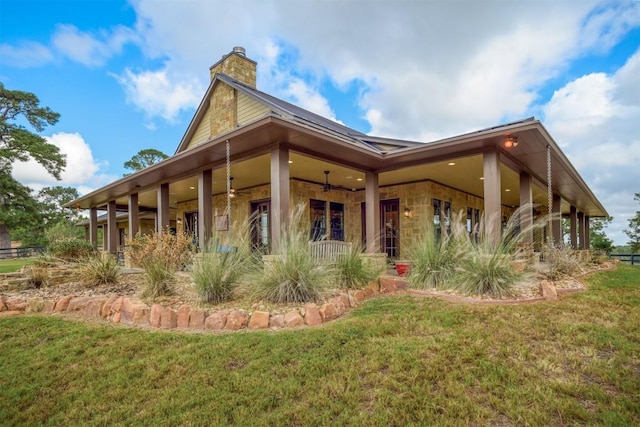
(21, 252)
(329, 250)
(627, 258)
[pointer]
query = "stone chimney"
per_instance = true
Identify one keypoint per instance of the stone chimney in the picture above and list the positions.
(236, 64)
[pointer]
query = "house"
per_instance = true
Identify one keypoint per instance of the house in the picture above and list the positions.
(257, 154)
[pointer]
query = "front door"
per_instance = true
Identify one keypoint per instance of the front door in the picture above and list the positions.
(261, 223)
(390, 219)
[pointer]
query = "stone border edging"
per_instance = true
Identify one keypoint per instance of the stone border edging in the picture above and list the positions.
(134, 311)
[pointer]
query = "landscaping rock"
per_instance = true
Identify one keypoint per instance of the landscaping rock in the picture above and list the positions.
(106, 308)
(77, 304)
(10, 313)
(35, 305)
(49, 305)
(114, 312)
(134, 311)
(197, 318)
(168, 318)
(328, 312)
(15, 304)
(94, 306)
(360, 295)
(276, 321)
(293, 319)
(3, 307)
(154, 315)
(184, 313)
(62, 304)
(236, 320)
(312, 315)
(259, 320)
(387, 284)
(548, 290)
(216, 320)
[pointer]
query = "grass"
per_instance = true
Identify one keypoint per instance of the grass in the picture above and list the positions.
(13, 265)
(392, 361)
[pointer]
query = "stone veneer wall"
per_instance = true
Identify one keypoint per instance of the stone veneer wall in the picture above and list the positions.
(417, 196)
(134, 311)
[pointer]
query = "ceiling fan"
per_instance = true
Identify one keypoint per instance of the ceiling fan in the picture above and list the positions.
(328, 187)
(232, 192)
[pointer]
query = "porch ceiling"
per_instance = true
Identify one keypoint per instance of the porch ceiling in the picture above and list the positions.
(314, 150)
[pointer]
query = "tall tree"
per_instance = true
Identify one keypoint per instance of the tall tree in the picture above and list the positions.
(19, 143)
(597, 237)
(634, 229)
(52, 199)
(144, 158)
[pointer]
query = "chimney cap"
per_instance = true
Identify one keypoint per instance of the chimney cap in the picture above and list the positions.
(239, 50)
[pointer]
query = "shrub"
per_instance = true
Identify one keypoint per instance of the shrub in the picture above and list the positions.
(486, 267)
(37, 277)
(102, 269)
(432, 261)
(173, 250)
(563, 262)
(293, 275)
(227, 258)
(352, 271)
(160, 255)
(71, 249)
(159, 279)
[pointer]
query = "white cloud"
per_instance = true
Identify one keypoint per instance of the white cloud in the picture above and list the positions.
(26, 54)
(596, 118)
(159, 94)
(82, 170)
(89, 49)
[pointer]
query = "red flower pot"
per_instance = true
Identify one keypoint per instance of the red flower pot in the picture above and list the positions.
(403, 268)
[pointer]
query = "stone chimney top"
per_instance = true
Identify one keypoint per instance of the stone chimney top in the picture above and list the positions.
(236, 64)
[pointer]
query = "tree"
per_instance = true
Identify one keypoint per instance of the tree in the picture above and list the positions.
(597, 236)
(144, 158)
(19, 143)
(52, 199)
(634, 229)
(49, 215)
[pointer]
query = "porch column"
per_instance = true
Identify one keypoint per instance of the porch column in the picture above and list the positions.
(556, 220)
(581, 231)
(587, 233)
(526, 208)
(372, 212)
(573, 232)
(279, 195)
(134, 215)
(112, 227)
(162, 219)
(205, 214)
(492, 194)
(93, 227)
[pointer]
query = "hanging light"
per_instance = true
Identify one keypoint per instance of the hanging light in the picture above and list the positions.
(232, 192)
(510, 141)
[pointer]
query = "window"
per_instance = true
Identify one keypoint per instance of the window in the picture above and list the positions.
(318, 230)
(437, 215)
(447, 217)
(319, 218)
(336, 212)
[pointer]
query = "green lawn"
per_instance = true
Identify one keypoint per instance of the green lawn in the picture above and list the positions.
(11, 265)
(393, 361)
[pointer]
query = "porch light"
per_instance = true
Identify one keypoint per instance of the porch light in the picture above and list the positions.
(510, 141)
(407, 212)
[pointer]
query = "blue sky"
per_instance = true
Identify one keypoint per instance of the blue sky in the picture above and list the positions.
(128, 75)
